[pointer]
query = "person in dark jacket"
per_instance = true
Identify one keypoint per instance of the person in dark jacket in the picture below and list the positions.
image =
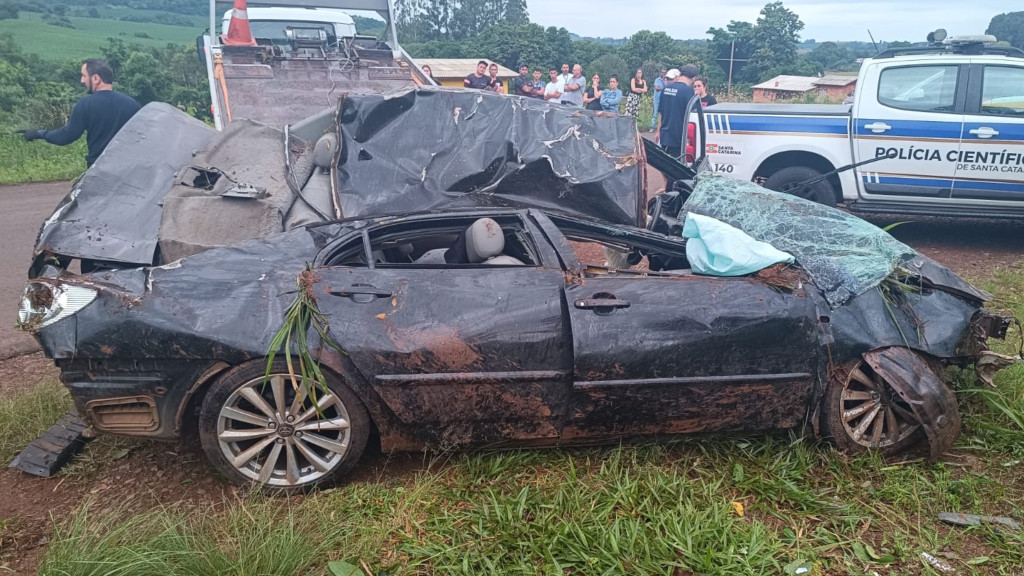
(100, 114)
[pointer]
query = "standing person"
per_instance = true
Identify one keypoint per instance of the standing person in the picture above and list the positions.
(573, 93)
(522, 83)
(637, 88)
(659, 85)
(101, 113)
(478, 80)
(428, 73)
(700, 87)
(611, 97)
(674, 113)
(493, 84)
(565, 75)
(553, 90)
(592, 97)
(537, 85)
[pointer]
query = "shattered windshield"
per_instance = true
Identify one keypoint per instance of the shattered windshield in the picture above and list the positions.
(843, 254)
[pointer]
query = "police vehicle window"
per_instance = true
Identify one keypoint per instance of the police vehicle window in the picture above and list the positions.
(1002, 91)
(919, 88)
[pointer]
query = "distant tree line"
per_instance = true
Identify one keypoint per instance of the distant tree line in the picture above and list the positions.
(36, 92)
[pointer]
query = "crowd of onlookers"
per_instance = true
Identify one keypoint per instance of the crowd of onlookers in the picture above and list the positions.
(672, 92)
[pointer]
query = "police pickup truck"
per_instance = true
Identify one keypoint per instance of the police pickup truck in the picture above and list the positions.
(932, 130)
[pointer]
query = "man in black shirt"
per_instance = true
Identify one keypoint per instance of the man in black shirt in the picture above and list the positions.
(674, 114)
(101, 113)
(522, 83)
(479, 79)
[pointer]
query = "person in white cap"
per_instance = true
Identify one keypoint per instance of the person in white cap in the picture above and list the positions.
(674, 116)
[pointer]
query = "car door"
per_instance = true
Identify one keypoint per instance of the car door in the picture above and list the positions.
(675, 352)
(990, 165)
(458, 352)
(913, 114)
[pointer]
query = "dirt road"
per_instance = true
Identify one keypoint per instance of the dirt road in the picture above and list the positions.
(22, 210)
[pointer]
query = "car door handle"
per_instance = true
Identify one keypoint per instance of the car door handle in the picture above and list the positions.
(878, 127)
(985, 132)
(601, 305)
(361, 293)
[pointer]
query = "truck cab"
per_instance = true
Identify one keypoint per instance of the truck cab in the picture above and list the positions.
(304, 55)
(936, 129)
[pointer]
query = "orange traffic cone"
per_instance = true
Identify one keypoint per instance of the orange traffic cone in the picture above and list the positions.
(239, 33)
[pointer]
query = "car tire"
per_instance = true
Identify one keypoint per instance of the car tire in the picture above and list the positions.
(786, 179)
(309, 446)
(863, 412)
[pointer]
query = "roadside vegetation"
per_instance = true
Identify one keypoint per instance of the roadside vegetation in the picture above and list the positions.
(39, 161)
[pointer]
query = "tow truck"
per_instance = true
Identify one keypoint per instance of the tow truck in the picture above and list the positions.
(300, 58)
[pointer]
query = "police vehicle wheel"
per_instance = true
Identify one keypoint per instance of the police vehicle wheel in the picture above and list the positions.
(787, 180)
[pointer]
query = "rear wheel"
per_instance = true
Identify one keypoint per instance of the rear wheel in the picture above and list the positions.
(863, 412)
(788, 179)
(266, 431)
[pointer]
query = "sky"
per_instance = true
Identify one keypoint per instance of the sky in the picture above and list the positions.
(824, 20)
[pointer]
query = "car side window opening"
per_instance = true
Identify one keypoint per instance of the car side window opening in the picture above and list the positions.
(447, 243)
(602, 254)
(1002, 91)
(919, 88)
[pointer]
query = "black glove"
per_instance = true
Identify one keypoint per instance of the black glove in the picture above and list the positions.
(32, 134)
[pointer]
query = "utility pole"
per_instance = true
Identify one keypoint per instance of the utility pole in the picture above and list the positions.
(732, 60)
(732, 57)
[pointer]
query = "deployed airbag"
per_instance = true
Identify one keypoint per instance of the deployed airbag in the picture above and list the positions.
(715, 248)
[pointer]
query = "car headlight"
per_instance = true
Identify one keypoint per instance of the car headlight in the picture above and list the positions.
(43, 303)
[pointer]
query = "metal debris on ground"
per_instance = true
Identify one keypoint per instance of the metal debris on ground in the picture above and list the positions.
(937, 564)
(48, 453)
(976, 520)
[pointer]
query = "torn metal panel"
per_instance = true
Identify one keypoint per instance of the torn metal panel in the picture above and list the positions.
(431, 149)
(113, 211)
(919, 386)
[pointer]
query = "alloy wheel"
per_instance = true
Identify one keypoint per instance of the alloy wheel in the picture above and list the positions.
(281, 434)
(873, 414)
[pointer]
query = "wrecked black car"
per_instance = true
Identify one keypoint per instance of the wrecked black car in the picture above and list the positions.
(449, 239)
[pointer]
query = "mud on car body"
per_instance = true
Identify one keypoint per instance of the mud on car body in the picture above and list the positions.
(467, 325)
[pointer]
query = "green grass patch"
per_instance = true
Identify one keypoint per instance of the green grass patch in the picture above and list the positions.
(39, 161)
(89, 35)
(254, 538)
(27, 414)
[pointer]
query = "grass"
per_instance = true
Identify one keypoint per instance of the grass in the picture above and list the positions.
(89, 35)
(28, 413)
(664, 508)
(39, 161)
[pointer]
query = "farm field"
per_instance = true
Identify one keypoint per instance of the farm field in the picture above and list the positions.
(56, 43)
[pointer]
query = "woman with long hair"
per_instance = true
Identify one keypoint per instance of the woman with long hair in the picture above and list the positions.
(637, 88)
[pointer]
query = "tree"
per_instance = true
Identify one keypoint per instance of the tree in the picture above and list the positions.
(425, 20)
(645, 46)
(830, 56)
(768, 47)
(515, 44)
(735, 42)
(1008, 27)
(608, 65)
(586, 51)
(9, 10)
(144, 78)
(776, 35)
